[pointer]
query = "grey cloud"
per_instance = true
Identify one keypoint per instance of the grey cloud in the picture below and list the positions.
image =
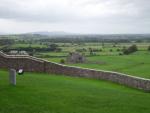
(16, 10)
(132, 14)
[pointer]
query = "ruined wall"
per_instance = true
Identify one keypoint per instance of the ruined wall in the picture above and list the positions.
(33, 64)
(21, 62)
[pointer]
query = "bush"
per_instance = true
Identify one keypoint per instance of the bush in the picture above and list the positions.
(110, 50)
(96, 50)
(148, 48)
(118, 49)
(81, 50)
(114, 45)
(133, 48)
(100, 50)
(91, 51)
(130, 50)
(62, 61)
(120, 54)
(126, 52)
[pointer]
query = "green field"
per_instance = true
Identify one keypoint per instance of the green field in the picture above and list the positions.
(68, 47)
(137, 64)
(43, 93)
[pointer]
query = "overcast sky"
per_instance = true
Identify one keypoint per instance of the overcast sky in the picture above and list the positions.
(75, 16)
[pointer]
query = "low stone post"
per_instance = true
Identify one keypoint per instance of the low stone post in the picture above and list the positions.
(12, 76)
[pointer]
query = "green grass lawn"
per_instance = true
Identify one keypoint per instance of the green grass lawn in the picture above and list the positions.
(43, 93)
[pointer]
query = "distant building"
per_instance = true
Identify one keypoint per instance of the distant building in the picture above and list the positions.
(75, 58)
(23, 53)
(14, 52)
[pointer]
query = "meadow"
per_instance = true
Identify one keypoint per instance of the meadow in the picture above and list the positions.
(136, 64)
(46, 93)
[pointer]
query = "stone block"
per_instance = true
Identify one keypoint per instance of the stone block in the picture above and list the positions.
(12, 76)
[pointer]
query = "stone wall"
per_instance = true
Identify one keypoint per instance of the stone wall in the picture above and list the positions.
(33, 64)
(21, 62)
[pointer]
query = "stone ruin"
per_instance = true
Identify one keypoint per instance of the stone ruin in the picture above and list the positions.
(75, 57)
(15, 52)
(12, 76)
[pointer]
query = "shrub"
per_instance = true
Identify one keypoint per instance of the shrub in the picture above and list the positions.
(100, 50)
(148, 48)
(114, 45)
(118, 49)
(81, 50)
(133, 48)
(120, 54)
(91, 51)
(110, 50)
(126, 52)
(62, 61)
(130, 50)
(96, 50)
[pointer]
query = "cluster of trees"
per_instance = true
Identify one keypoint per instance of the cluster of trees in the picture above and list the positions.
(31, 50)
(89, 49)
(125, 51)
(83, 40)
(130, 50)
(5, 41)
(93, 50)
(148, 48)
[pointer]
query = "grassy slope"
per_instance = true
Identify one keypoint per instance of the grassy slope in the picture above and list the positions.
(39, 93)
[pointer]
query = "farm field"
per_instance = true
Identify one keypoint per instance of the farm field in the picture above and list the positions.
(43, 93)
(106, 49)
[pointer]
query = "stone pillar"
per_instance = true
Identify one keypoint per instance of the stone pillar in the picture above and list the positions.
(12, 76)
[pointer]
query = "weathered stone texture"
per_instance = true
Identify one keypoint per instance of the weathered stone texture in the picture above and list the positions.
(33, 64)
(12, 76)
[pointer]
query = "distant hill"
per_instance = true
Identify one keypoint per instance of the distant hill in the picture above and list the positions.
(60, 35)
(50, 33)
(1, 33)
